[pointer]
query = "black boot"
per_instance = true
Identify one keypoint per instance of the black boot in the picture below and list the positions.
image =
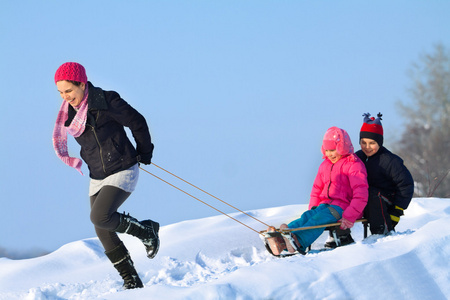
(121, 260)
(344, 236)
(146, 231)
(380, 229)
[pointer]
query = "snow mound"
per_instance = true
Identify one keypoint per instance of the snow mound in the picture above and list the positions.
(217, 258)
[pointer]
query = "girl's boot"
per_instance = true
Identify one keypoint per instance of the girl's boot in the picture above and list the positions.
(275, 241)
(146, 231)
(121, 260)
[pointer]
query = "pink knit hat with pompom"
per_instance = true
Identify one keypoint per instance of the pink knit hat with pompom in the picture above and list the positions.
(337, 139)
(71, 71)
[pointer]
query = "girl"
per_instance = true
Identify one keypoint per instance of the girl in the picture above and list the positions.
(96, 119)
(339, 192)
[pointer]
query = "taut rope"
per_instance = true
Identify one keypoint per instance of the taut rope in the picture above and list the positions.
(172, 185)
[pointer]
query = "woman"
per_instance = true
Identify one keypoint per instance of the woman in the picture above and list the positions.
(339, 192)
(96, 119)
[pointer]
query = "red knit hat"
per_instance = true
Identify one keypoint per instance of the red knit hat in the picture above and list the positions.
(71, 71)
(372, 128)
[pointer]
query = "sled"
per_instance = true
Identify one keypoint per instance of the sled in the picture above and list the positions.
(275, 239)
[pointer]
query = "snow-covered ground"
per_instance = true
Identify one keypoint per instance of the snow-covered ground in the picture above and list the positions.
(218, 258)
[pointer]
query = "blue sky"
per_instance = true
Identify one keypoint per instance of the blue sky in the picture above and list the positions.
(238, 95)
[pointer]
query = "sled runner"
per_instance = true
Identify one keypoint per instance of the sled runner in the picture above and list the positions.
(278, 241)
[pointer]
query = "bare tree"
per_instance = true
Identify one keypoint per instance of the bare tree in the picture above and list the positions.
(425, 143)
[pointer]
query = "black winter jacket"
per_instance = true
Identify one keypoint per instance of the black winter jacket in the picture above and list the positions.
(105, 146)
(387, 174)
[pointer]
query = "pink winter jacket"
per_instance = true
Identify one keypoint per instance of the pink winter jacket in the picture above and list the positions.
(344, 184)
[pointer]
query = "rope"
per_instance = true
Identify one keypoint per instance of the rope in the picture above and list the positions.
(198, 199)
(212, 195)
(259, 232)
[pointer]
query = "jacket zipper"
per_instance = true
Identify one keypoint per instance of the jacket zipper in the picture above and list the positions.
(99, 145)
(101, 151)
(329, 185)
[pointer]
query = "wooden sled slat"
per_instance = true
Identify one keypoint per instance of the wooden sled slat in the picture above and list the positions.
(312, 227)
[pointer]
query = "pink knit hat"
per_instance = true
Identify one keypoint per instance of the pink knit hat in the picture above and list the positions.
(336, 138)
(71, 71)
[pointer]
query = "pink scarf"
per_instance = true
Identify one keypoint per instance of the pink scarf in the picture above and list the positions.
(76, 128)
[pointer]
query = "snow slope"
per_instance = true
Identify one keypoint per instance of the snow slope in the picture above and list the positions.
(217, 258)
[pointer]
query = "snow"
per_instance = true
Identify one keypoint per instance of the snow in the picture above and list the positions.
(218, 258)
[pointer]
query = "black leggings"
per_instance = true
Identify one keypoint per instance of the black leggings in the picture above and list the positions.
(104, 214)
